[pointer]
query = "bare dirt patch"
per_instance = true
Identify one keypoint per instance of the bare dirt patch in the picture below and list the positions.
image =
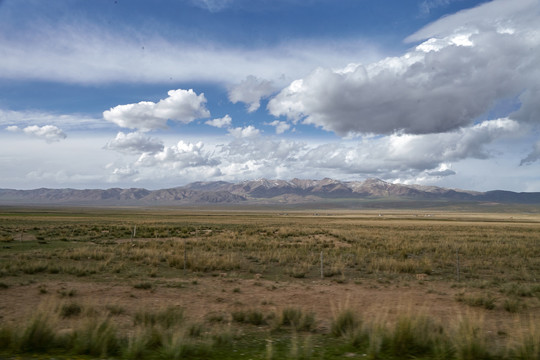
(200, 297)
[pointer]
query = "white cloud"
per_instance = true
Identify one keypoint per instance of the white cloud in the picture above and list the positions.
(182, 106)
(41, 118)
(250, 91)
(405, 155)
(408, 158)
(281, 126)
(134, 143)
(180, 156)
(261, 149)
(443, 170)
(125, 172)
(49, 133)
(439, 86)
(223, 122)
(91, 54)
(497, 14)
(12, 128)
(244, 132)
(398, 157)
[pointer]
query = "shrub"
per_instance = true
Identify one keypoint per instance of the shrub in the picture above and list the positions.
(69, 310)
(143, 286)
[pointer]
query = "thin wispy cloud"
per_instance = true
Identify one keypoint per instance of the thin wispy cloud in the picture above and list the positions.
(88, 54)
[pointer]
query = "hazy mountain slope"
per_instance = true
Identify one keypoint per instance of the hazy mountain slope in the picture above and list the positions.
(260, 191)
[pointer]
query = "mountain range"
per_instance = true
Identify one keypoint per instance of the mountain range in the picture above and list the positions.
(262, 191)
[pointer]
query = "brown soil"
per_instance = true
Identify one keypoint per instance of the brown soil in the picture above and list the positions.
(203, 296)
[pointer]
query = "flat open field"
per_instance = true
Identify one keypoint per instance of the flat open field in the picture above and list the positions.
(173, 284)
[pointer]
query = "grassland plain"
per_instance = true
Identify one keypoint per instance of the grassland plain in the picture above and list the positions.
(154, 283)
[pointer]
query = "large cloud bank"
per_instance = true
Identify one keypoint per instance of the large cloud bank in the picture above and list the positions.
(246, 154)
(469, 62)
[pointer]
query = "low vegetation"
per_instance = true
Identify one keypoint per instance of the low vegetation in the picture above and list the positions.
(246, 274)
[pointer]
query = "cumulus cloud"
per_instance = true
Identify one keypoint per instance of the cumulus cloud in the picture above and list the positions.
(179, 156)
(402, 155)
(49, 133)
(406, 158)
(182, 106)
(223, 122)
(125, 172)
(262, 149)
(443, 171)
(244, 132)
(281, 126)
(12, 128)
(134, 143)
(441, 85)
(250, 91)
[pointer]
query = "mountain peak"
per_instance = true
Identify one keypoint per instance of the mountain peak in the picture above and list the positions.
(376, 181)
(261, 191)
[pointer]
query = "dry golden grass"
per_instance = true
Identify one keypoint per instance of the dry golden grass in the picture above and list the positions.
(227, 260)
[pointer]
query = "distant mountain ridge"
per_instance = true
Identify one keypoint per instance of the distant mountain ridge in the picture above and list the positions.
(261, 191)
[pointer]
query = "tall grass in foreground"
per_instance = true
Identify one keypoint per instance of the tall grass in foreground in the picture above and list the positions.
(420, 336)
(164, 334)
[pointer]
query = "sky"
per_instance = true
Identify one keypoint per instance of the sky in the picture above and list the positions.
(158, 94)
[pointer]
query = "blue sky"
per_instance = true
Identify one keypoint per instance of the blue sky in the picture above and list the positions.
(118, 93)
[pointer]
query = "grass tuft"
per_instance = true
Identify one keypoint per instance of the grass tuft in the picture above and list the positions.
(346, 323)
(169, 317)
(70, 310)
(38, 335)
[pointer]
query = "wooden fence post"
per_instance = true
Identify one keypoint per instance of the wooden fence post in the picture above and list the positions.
(322, 270)
(457, 265)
